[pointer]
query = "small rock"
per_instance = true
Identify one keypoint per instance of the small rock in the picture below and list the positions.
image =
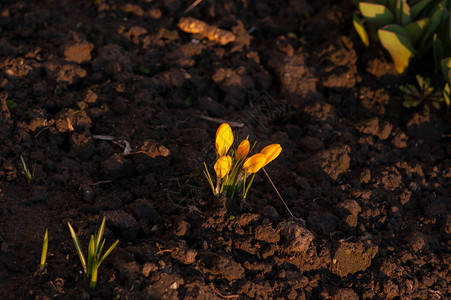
(381, 129)
(391, 290)
(70, 74)
(446, 228)
(390, 178)
(271, 213)
(78, 52)
(400, 140)
(298, 238)
(184, 254)
(81, 145)
(348, 207)
(147, 268)
(227, 268)
(247, 219)
(88, 193)
(182, 228)
(154, 13)
(117, 167)
(311, 144)
(350, 258)
(345, 294)
(161, 288)
(142, 209)
(123, 222)
(267, 233)
(129, 270)
(333, 162)
(417, 241)
(322, 223)
(365, 176)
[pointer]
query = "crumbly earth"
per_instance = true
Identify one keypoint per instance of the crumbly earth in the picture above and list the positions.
(368, 181)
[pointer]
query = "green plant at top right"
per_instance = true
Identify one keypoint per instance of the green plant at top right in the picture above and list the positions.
(407, 29)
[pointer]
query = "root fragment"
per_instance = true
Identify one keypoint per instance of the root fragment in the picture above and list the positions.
(213, 33)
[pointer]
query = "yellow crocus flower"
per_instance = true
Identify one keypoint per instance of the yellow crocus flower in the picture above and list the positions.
(243, 150)
(224, 139)
(271, 152)
(222, 166)
(254, 163)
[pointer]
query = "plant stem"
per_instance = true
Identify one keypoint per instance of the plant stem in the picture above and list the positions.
(94, 271)
(45, 247)
(280, 196)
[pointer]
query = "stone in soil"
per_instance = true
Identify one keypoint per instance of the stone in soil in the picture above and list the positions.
(78, 52)
(123, 222)
(117, 166)
(227, 268)
(350, 258)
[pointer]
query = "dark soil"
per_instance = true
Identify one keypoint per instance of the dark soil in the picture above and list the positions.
(368, 181)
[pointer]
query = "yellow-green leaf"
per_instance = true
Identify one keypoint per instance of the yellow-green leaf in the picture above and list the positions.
(426, 44)
(361, 31)
(398, 45)
(416, 29)
(377, 14)
(402, 13)
(447, 95)
(446, 68)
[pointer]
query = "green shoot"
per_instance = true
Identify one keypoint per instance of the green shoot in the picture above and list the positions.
(28, 175)
(78, 247)
(95, 248)
(45, 247)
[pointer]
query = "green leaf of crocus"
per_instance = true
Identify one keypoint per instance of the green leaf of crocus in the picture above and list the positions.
(446, 68)
(425, 43)
(402, 12)
(361, 31)
(438, 50)
(416, 29)
(395, 40)
(377, 14)
(417, 8)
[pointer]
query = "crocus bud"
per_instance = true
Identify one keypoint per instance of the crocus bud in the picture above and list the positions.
(222, 166)
(271, 152)
(254, 163)
(243, 150)
(224, 139)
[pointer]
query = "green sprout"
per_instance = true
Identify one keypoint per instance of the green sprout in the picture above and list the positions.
(45, 247)
(94, 252)
(422, 94)
(28, 175)
(10, 103)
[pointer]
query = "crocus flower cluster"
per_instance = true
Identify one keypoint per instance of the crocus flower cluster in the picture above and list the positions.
(233, 167)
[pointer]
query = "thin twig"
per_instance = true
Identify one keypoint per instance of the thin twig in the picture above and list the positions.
(192, 6)
(277, 191)
(100, 182)
(40, 131)
(231, 123)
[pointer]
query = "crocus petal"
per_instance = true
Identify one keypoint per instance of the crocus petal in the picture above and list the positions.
(254, 163)
(243, 149)
(222, 166)
(271, 152)
(224, 139)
